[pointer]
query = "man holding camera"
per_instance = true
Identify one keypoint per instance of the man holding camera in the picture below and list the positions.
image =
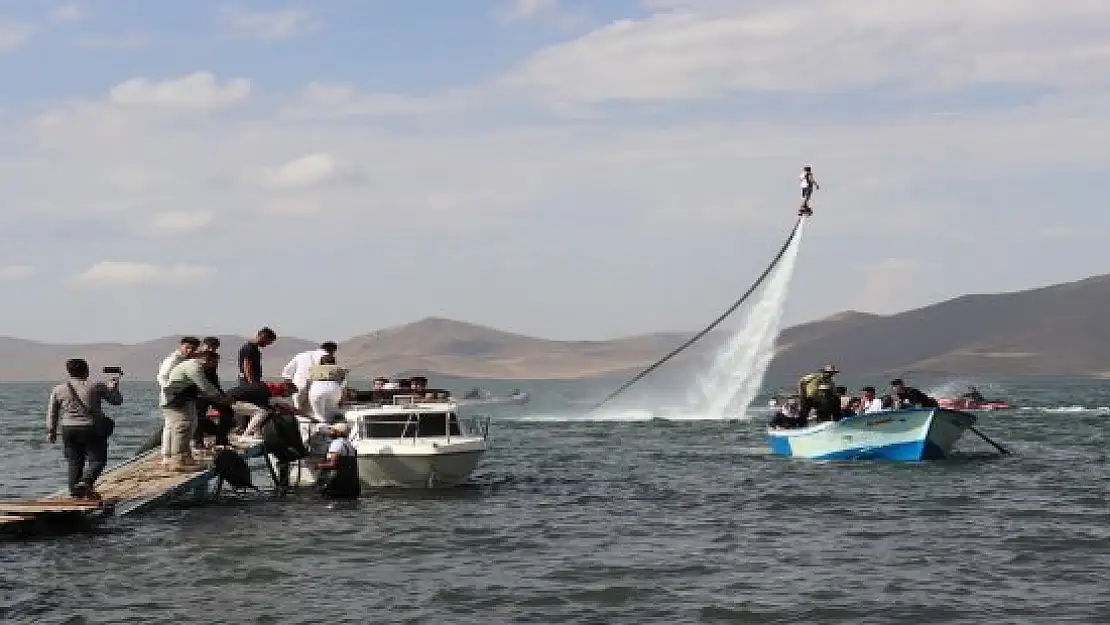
(75, 405)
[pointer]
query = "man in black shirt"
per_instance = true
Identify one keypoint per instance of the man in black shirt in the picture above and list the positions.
(250, 356)
(910, 397)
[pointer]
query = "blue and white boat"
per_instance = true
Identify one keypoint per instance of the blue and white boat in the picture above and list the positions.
(907, 435)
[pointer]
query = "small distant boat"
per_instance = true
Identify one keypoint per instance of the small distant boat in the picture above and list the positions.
(908, 435)
(972, 400)
(967, 403)
(482, 397)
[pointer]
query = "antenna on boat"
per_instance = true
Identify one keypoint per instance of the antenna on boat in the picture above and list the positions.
(707, 329)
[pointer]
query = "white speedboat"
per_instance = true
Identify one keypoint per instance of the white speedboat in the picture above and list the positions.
(407, 441)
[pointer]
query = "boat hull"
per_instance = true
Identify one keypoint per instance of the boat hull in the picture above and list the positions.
(907, 435)
(424, 465)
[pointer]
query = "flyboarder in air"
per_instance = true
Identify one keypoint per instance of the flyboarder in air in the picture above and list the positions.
(809, 185)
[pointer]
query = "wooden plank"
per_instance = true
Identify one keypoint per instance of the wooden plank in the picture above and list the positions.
(40, 507)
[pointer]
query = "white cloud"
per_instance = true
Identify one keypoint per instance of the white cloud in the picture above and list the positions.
(546, 11)
(11, 273)
(200, 90)
(68, 12)
(14, 34)
(707, 49)
(268, 25)
(175, 223)
(309, 170)
(118, 273)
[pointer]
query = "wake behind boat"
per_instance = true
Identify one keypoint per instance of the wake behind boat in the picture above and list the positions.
(908, 434)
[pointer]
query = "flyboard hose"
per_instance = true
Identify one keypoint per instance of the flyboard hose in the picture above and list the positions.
(709, 328)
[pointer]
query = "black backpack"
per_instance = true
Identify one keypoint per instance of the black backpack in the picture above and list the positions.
(233, 469)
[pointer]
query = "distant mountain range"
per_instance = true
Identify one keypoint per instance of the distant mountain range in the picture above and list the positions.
(1055, 330)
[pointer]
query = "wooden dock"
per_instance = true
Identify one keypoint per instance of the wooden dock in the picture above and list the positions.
(24, 517)
(144, 482)
(131, 487)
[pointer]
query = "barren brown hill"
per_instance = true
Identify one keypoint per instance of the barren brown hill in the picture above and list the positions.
(1054, 330)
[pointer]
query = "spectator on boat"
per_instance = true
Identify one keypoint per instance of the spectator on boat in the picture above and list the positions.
(826, 403)
(419, 385)
(807, 386)
(326, 382)
(869, 402)
(908, 396)
(339, 470)
(297, 370)
(76, 406)
(842, 393)
(225, 416)
(788, 415)
(188, 381)
(851, 408)
(250, 356)
(974, 395)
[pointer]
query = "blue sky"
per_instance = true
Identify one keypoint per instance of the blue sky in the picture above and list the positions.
(572, 170)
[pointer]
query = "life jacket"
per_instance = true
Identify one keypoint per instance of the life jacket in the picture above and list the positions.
(809, 383)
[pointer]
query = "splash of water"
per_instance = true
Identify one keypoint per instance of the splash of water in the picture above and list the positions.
(737, 372)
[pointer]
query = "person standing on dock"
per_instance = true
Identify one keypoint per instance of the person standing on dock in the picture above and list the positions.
(226, 417)
(250, 356)
(185, 350)
(187, 382)
(76, 405)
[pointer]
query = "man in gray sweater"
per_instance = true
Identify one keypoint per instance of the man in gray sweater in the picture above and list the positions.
(76, 405)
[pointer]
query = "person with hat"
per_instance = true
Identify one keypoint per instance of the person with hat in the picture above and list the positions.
(910, 397)
(338, 477)
(807, 388)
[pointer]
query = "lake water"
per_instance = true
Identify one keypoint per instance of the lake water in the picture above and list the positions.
(628, 519)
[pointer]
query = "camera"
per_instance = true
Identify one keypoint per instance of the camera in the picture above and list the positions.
(113, 371)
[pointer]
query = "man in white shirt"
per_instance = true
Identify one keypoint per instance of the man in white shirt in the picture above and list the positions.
(296, 371)
(869, 402)
(185, 350)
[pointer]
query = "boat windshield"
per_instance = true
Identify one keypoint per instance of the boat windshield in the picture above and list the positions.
(410, 425)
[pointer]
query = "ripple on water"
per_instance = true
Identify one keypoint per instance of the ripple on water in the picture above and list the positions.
(603, 522)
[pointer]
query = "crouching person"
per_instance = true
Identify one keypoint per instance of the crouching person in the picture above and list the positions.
(76, 405)
(339, 470)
